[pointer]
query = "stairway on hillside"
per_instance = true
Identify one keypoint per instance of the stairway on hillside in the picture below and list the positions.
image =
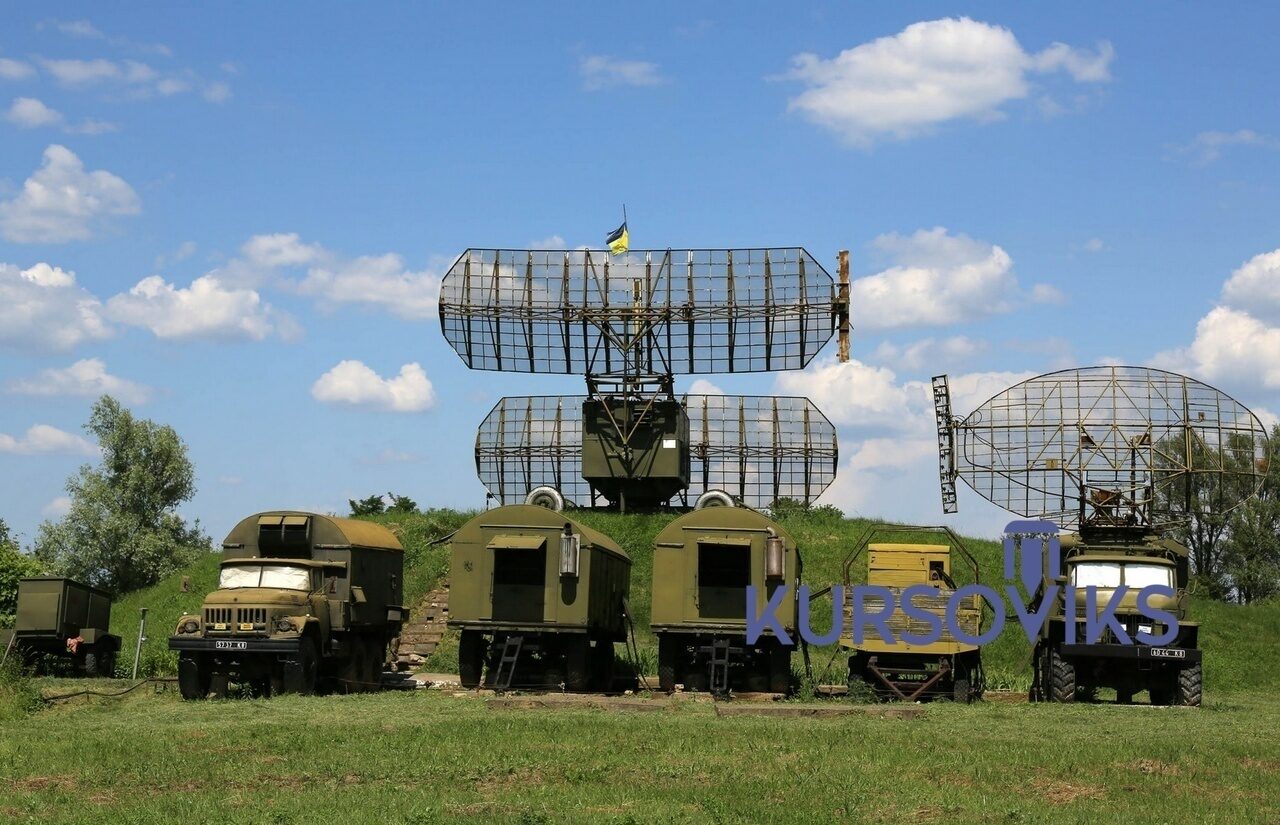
(427, 625)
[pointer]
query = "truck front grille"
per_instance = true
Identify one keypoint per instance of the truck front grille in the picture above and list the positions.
(217, 615)
(251, 615)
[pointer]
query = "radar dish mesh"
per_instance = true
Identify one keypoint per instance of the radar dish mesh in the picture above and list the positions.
(1112, 446)
(756, 448)
(646, 312)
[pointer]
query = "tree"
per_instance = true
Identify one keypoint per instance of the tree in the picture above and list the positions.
(14, 566)
(122, 531)
(1251, 553)
(401, 504)
(371, 506)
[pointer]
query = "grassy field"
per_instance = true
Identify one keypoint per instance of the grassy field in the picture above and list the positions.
(430, 757)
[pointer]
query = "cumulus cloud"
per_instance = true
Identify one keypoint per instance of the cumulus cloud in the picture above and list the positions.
(11, 69)
(601, 71)
(929, 353)
(57, 508)
(87, 377)
(42, 308)
(280, 249)
(931, 72)
(62, 202)
(30, 113)
(1255, 287)
(351, 383)
(939, 279)
(206, 309)
(702, 386)
(43, 438)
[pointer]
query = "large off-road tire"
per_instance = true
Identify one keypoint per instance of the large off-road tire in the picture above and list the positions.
(1190, 685)
(470, 658)
(602, 664)
(375, 661)
(355, 669)
(780, 669)
(193, 676)
(668, 659)
(577, 663)
(1062, 678)
(92, 662)
(107, 663)
(300, 673)
(219, 685)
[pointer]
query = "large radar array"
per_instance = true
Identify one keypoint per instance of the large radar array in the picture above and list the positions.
(1104, 447)
(629, 324)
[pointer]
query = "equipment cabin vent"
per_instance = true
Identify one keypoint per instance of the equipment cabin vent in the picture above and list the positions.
(284, 537)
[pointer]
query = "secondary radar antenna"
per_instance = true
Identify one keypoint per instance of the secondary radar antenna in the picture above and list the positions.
(1104, 447)
(629, 324)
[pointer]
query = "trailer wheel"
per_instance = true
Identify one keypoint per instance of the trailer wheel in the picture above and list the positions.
(577, 671)
(91, 662)
(1062, 678)
(193, 676)
(107, 663)
(1191, 685)
(667, 656)
(470, 658)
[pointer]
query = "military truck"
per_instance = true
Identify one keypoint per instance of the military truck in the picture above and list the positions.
(702, 565)
(305, 602)
(539, 600)
(1106, 558)
(898, 670)
(64, 618)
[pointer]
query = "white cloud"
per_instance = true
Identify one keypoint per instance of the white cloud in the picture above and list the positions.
(87, 377)
(30, 113)
(280, 249)
(380, 281)
(217, 92)
(79, 28)
(939, 279)
(929, 353)
(702, 386)
(352, 383)
(550, 242)
(1231, 346)
(1094, 245)
(206, 309)
(600, 71)
(134, 78)
(1208, 146)
(57, 508)
(929, 73)
(11, 69)
(1255, 287)
(43, 438)
(85, 30)
(62, 202)
(42, 308)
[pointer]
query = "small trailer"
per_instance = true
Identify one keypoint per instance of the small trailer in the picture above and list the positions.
(64, 618)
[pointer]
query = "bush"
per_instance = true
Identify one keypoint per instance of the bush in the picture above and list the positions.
(19, 697)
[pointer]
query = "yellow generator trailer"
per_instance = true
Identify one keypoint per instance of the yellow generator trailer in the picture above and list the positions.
(895, 669)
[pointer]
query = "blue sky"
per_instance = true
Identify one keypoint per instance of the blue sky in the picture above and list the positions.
(208, 208)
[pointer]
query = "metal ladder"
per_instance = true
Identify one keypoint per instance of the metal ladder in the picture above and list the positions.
(507, 663)
(720, 650)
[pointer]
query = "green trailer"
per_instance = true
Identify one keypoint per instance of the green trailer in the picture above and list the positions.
(702, 565)
(64, 618)
(539, 600)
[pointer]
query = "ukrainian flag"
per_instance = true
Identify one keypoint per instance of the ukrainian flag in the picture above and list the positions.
(619, 240)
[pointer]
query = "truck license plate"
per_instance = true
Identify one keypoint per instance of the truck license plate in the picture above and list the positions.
(221, 645)
(1168, 653)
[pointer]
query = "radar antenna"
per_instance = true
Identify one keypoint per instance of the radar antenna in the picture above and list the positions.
(1104, 447)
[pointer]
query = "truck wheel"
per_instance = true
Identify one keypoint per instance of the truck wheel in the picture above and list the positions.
(602, 664)
(1062, 678)
(300, 673)
(780, 669)
(1190, 685)
(577, 672)
(667, 656)
(470, 658)
(354, 671)
(107, 664)
(375, 658)
(219, 684)
(91, 662)
(193, 676)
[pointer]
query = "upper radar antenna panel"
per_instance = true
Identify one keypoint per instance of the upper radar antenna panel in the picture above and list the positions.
(640, 314)
(1104, 447)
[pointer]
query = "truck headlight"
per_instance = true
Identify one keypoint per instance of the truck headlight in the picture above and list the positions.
(189, 626)
(285, 626)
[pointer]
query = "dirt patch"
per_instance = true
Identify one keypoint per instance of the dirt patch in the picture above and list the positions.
(1154, 767)
(1057, 792)
(1005, 697)
(44, 783)
(519, 777)
(1264, 765)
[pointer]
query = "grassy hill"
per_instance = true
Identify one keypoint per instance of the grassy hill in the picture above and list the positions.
(1243, 643)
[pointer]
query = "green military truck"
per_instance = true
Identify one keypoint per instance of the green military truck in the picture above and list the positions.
(539, 600)
(64, 618)
(896, 669)
(1106, 558)
(703, 563)
(304, 602)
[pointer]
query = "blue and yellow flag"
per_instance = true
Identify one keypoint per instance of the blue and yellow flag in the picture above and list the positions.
(619, 240)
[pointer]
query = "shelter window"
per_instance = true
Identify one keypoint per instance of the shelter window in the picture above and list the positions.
(724, 565)
(286, 577)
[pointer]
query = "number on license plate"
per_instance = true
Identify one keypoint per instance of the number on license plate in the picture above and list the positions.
(220, 645)
(1168, 653)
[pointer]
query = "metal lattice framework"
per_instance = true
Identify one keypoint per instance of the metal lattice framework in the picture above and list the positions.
(758, 448)
(1105, 446)
(646, 314)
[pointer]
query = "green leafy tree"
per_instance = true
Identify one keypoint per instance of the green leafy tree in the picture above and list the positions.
(401, 504)
(371, 506)
(122, 531)
(1251, 554)
(14, 566)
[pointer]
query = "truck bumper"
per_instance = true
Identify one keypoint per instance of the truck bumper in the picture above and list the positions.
(187, 644)
(1176, 656)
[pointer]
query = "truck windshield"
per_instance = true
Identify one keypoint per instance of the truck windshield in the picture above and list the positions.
(1095, 574)
(1110, 575)
(265, 575)
(1138, 576)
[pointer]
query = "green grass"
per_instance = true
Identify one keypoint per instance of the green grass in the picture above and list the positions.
(1242, 643)
(429, 757)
